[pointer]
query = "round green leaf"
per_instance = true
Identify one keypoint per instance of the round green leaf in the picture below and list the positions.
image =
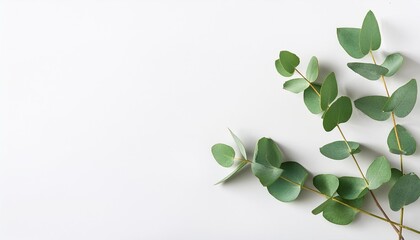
(368, 70)
(312, 100)
(329, 91)
(339, 150)
(239, 144)
(393, 63)
(223, 154)
(266, 174)
(340, 214)
(370, 36)
(404, 192)
(408, 143)
(288, 186)
(268, 153)
(395, 175)
(339, 112)
(312, 70)
(403, 99)
(281, 70)
(378, 173)
(373, 107)
(349, 40)
(267, 158)
(352, 188)
(289, 61)
(296, 85)
(326, 184)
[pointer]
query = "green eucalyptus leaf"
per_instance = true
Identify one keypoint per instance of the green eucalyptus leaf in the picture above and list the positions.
(266, 174)
(340, 214)
(321, 207)
(378, 173)
(395, 175)
(296, 85)
(403, 99)
(349, 40)
(326, 184)
(312, 100)
(368, 70)
(329, 91)
(393, 63)
(408, 143)
(281, 70)
(232, 174)
(267, 160)
(352, 188)
(289, 61)
(339, 150)
(373, 107)
(224, 154)
(370, 36)
(239, 144)
(339, 112)
(404, 192)
(312, 70)
(288, 190)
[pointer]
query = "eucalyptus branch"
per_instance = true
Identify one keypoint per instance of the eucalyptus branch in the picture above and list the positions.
(394, 122)
(398, 231)
(344, 195)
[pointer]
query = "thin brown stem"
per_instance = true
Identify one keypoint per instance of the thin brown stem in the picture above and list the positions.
(367, 184)
(350, 206)
(310, 84)
(352, 155)
(355, 161)
(394, 122)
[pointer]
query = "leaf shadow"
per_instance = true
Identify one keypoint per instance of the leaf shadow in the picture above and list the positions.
(324, 71)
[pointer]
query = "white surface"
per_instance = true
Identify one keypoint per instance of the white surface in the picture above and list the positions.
(109, 110)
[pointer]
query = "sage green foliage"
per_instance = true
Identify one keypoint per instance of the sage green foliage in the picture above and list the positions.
(296, 85)
(351, 188)
(312, 100)
(349, 39)
(344, 195)
(378, 173)
(281, 70)
(326, 184)
(337, 213)
(368, 70)
(358, 42)
(339, 150)
(321, 207)
(339, 112)
(373, 107)
(329, 91)
(403, 99)
(239, 144)
(395, 175)
(284, 190)
(404, 192)
(408, 143)
(267, 160)
(289, 61)
(240, 166)
(393, 63)
(370, 36)
(266, 174)
(313, 70)
(223, 154)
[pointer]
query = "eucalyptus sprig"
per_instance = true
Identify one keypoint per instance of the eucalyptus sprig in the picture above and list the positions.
(344, 195)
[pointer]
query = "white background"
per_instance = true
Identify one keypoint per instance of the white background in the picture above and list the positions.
(109, 109)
